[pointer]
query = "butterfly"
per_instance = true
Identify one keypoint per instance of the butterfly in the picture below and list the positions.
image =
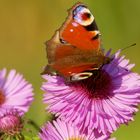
(74, 52)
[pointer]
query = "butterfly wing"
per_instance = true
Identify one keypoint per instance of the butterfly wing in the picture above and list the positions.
(74, 51)
(80, 29)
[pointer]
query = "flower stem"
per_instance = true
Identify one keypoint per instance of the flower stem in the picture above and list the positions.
(31, 122)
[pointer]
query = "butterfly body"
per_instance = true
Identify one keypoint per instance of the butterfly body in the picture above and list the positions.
(74, 51)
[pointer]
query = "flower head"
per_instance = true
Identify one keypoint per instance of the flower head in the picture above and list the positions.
(59, 130)
(100, 102)
(11, 123)
(15, 92)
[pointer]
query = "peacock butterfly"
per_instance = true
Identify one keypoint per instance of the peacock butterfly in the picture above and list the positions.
(74, 52)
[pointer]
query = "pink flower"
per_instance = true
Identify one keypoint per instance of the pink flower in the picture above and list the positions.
(103, 101)
(11, 124)
(59, 130)
(15, 92)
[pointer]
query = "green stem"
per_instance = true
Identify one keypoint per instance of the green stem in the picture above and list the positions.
(31, 122)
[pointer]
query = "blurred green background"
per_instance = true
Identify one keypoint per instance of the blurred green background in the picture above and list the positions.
(26, 24)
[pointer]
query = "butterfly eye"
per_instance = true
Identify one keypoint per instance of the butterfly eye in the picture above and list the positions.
(83, 16)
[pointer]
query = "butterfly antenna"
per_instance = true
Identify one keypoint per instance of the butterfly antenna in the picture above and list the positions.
(128, 46)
